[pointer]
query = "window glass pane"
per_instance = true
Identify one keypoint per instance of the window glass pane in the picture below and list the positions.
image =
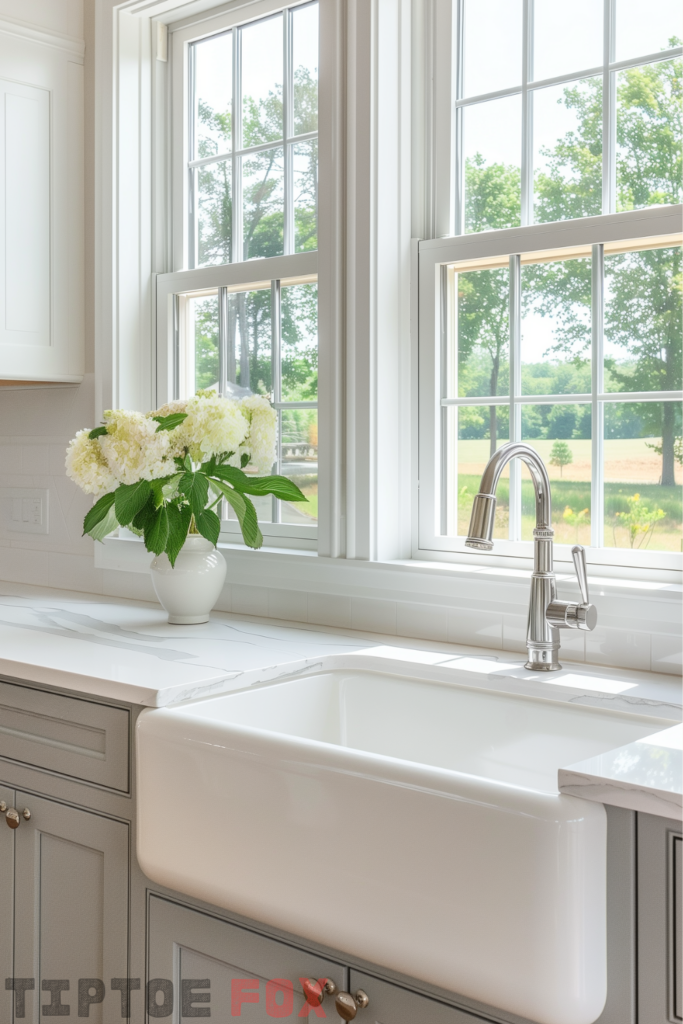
(561, 434)
(250, 327)
(492, 141)
(198, 362)
(646, 28)
(567, 128)
(213, 95)
(299, 310)
(262, 57)
(649, 135)
(299, 462)
(263, 203)
(492, 45)
(643, 475)
(482, 334)
(643, 329)
(305, 67)
(556, 328)
(305, 172)
(213, 189)
(567, 37)
(471, 429)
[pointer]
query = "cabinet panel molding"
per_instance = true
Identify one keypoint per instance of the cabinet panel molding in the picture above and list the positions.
(71, 894)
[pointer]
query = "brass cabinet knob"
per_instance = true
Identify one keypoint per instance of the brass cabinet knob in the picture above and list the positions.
(348, 1005)
(315, 991)
(13, 818)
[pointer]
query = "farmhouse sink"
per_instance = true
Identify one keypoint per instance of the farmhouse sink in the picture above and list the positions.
(413, 823)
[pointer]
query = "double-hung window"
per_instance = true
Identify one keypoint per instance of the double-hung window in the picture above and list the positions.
(239, 311)
(552, 315)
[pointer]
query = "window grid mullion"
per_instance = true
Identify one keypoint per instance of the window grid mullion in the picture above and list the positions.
(458, 190)
(191, 173)
(224, 369)
(608, 111)
(515, 413)
(276, 374)
(526, 168)
(288, 128)
(236, 145)
(597, 407)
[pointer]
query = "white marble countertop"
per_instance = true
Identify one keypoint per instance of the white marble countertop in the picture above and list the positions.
(126, 650)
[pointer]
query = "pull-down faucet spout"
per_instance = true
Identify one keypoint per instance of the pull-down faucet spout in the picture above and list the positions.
(547, 615)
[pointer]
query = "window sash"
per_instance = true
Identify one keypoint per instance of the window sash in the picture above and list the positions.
(635, 229)
(608, 69)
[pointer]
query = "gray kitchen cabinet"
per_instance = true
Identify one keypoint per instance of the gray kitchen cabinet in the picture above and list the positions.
(6, 895)
(71, 906)
(203, 965)
(660, 920)
(392, 1004)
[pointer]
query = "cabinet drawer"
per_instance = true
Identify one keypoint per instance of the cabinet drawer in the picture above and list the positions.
(75, 737)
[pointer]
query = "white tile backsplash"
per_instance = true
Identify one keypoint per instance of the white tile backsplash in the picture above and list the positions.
(329, 610)
(666, 654)
(424, 621)
(481, 628)
(374, 615)
(625, 647)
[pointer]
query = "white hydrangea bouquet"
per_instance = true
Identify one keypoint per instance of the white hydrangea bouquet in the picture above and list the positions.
(161, 474)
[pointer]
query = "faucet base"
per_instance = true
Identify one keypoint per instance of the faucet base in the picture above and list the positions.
(542, 659)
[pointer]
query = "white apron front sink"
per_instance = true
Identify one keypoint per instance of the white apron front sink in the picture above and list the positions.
(415, 824)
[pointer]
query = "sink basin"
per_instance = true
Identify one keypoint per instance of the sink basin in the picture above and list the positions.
(410, 822)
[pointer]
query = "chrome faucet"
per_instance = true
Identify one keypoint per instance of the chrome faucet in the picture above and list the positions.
(547, 615)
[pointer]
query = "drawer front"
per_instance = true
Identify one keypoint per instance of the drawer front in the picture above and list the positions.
(75, 737)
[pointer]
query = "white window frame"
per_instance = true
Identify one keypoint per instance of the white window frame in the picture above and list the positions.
(442, 193)
(186, 278)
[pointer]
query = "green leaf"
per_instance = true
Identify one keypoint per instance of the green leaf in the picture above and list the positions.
(209, 525)
(246, 514)
(178, 524)
(195, 487)
(170, 422)
(129, 499)
(105, 526)
(245, 459)
(97, 432)
(156, 531)
(280, 486)
(98, 512)
(139, 522)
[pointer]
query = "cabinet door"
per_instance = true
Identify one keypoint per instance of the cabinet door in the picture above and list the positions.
(200, 965)
(71, 900)
(6, 902)
(392, 1004)
(660, 920)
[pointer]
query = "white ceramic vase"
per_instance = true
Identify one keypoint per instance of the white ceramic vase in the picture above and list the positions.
(189, 590)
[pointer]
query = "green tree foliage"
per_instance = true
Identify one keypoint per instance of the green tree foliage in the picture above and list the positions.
(561, 455)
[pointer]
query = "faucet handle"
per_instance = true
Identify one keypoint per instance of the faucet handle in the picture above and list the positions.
(579, 556)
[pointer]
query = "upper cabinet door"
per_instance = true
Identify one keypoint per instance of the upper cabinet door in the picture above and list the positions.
(41, 209)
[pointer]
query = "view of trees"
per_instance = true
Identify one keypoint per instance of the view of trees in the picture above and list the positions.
(643, 335)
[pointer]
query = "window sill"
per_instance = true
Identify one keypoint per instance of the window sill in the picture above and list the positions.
(433, 577)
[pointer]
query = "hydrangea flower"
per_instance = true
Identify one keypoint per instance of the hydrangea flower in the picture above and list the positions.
(260, 443)
(133, 449)
(86, 465)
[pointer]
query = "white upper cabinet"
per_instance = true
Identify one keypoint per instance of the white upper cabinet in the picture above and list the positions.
(41, 205)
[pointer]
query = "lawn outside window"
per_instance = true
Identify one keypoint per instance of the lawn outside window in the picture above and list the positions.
(552, 315)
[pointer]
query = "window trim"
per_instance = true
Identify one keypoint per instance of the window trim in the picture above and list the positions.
(435, 254)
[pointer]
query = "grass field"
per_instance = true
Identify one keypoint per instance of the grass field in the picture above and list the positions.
(630, 468)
